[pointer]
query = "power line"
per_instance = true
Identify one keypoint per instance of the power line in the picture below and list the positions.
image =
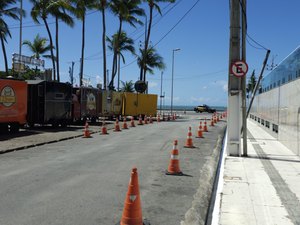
(200, 76)
(140, 28)
(262, 47)
(169, 30)
(177, 22)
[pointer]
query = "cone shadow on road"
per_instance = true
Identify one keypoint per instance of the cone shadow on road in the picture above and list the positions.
(179, 174)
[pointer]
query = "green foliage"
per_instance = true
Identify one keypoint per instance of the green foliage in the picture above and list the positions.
(150, 60)
(251, 82)
(124, 44)
(127, 86)
(38, 47)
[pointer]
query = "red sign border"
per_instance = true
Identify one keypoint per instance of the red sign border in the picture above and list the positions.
(240, 61)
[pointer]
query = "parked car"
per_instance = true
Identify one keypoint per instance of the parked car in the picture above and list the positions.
(204, 108)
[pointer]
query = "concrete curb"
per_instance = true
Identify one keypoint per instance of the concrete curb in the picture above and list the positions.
(192, 216)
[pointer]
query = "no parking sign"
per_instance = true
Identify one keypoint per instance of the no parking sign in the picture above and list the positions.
(239, 68)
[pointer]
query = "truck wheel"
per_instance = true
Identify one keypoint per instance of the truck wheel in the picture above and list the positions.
(3, 128)
(14, 128)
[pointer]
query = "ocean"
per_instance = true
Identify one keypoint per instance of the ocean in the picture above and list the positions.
(189, 108)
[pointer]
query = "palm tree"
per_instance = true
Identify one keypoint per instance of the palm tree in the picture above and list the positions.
(153, 4)
(126, 12)
(7, 11)
(127, 86)
(119, 45)
(102, 5)
(38, 47)
(41, 10)
(150, 60)
(58, 10)
(251, 83)
(82, 6)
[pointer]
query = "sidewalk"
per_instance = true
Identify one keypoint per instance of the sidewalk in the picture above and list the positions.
(263, 188)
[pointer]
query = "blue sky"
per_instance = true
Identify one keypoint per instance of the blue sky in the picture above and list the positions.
(201, 66)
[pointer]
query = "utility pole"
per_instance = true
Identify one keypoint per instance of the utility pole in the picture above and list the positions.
(71, 71)
(243, 79)
(107, 77)
(20, 41)
(234, 84)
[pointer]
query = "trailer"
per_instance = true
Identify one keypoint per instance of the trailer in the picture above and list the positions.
(49, 102)
(86, 104)
(13, 104)
(135, 104)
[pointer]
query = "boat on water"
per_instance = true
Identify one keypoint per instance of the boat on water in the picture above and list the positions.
(276, 107)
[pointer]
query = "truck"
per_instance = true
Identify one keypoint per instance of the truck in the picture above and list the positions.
(204, 108)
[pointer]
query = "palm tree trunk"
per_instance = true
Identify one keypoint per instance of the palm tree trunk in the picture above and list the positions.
(82, 49)
(4, 54)
(51, 50)
(104, 46)
(143, 71)
(119, 63)
(114, 66)
(57, 49)
(148, 37)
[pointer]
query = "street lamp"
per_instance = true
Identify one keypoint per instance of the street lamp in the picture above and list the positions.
(174, 50)
(161, 96)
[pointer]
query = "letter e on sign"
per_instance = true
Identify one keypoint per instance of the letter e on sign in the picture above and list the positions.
(239, 68)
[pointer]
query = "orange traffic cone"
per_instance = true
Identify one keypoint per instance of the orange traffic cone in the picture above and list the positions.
(103, 128)
(117, 126)
(215, 119)
(200, 125)
(158, 118)
(132, 122)
(150, 119)
(205, 126)
(173, 168)
(132, 211)
(212, 123)
(189, 140)
(140, 120)
(124, 124)
(173, 116)
(145, 120)
(199, 133)
(86, 132)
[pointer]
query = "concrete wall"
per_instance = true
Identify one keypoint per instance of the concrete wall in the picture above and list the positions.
(280, 107)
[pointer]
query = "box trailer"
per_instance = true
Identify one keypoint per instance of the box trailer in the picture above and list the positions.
(87, 103)
(135, 104)
(13, 104)
(49, 103)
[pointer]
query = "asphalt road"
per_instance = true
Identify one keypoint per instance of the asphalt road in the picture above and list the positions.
(84, 181)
